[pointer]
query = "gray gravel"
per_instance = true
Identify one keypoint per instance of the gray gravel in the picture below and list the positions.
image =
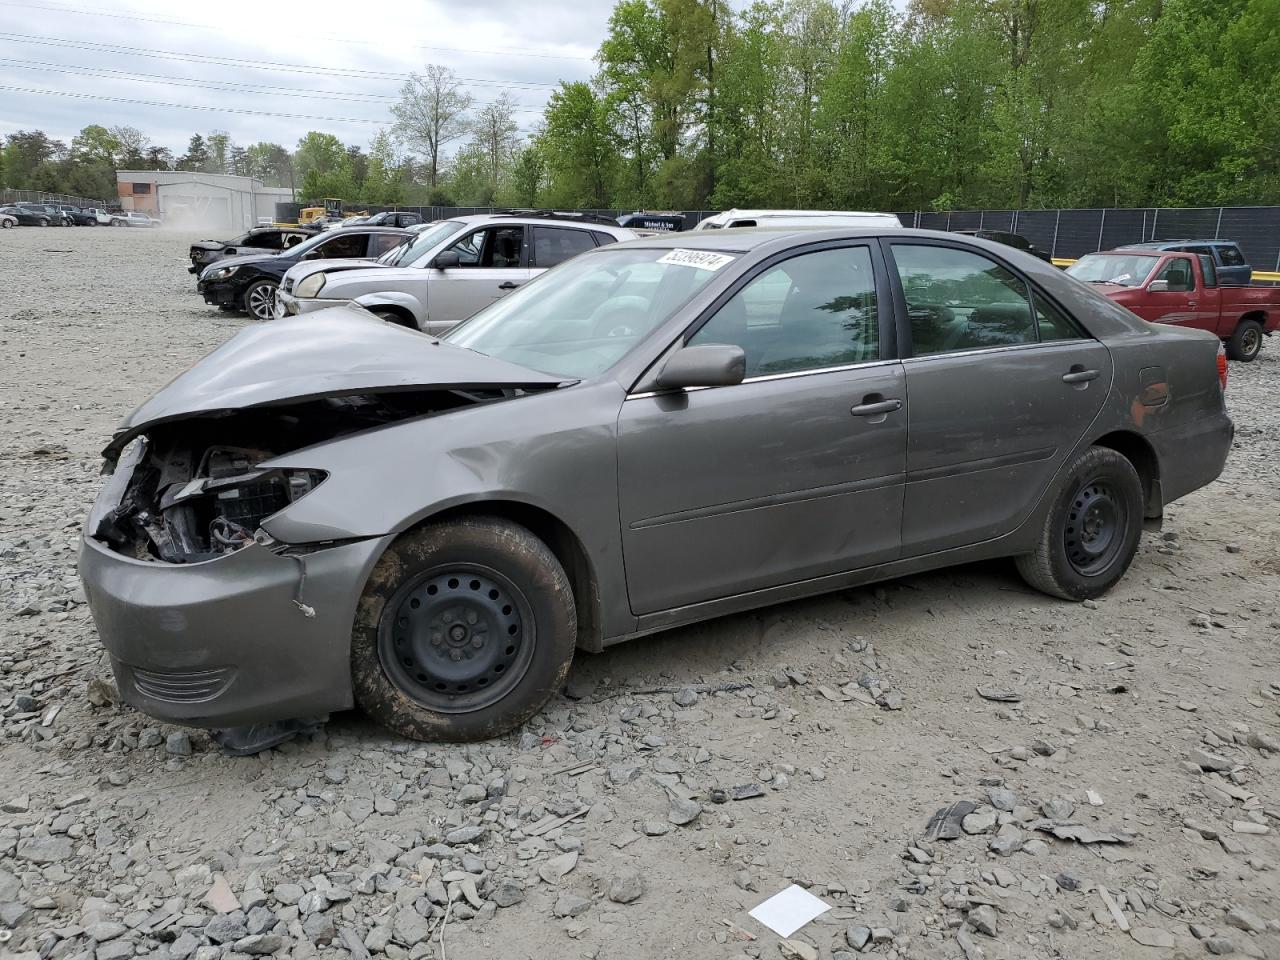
(608, 827)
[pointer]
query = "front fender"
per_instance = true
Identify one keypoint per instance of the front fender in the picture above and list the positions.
(394, 298)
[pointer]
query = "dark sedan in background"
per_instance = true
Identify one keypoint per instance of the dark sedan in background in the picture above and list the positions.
(330, 509)
(249, 282)
(28, 216)
(257, 240)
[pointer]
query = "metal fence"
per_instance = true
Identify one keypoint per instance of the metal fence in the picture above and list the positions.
(1064, 234)
(39, 196)
(1068, 234)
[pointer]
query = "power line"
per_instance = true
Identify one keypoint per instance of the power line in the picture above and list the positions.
(195, 106)
(257, 64)
(215, 85)
(186, 106)
(510, 52)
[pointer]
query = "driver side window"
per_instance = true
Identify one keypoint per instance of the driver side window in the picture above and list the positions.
(498, 247)
(1177, 273)
(813, 311)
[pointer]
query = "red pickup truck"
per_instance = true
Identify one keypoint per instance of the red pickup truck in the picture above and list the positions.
(1183, 288)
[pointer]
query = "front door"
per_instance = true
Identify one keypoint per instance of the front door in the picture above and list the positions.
(491, 263)
(796, 472)
(1001, 385)
(1179, 302)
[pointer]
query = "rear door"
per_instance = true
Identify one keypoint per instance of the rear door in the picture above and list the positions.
(492, 261)
(1001, 385)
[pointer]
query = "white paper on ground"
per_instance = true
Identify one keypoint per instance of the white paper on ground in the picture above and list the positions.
(786, 912)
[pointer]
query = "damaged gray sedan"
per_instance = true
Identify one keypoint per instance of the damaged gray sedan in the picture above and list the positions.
(330, 510)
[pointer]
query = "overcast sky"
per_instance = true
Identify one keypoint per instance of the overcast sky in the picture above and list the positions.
(343, 61)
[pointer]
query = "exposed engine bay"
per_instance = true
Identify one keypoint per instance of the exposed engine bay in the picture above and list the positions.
(197, 492)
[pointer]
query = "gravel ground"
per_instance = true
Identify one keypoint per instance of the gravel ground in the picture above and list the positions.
(1150, 716)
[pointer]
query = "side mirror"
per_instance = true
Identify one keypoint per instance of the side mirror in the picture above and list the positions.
(706, 365)
(1158, 286)
(446, 259)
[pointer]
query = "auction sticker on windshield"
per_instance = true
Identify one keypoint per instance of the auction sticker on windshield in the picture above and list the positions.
(702, 259)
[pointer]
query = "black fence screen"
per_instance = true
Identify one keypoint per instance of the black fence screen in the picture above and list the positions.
(1068, 234)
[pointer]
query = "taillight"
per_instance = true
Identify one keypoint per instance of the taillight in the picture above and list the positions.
(1222, 366)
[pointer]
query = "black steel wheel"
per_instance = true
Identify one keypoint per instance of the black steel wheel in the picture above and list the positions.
(457, 638)
(1090, 534)
(1094, 532)
(465, 629)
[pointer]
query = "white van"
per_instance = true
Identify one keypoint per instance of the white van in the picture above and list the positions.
(800, 218)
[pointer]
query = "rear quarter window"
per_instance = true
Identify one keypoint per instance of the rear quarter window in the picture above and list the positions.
(1231, 256)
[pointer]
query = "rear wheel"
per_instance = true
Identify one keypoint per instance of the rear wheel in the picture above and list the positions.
(6, 223)
(260, 300)
(1246, 342)
(465, 630)
(1091, 533)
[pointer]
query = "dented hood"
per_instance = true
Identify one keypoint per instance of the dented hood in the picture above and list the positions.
(341, 351)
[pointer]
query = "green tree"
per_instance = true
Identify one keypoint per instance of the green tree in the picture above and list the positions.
(28, 151)
(431, 113)
(577, 142)
(197, 156)
(319, 152)
(94, 144)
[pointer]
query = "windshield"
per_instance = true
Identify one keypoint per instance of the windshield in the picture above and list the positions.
(581, 318)
(1125, 269)
(406, 253)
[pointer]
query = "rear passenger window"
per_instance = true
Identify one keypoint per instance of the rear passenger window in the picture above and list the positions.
(553, 245)
(348, 245)
(603, 238)
(1209, 270)
(1231, 256)
(1052, 323)
(957, 301)
(813, 311)
(382, 242)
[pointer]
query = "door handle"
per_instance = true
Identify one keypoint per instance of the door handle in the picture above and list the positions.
(1080, 376)
(508, 285)
(876, 408)
(1191, 303)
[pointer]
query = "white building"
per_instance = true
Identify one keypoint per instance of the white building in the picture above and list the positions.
(200, 200)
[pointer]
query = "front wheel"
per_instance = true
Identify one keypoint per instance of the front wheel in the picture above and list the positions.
(1246, 343)
(260, 300)
(1091, 533)
(465, 630)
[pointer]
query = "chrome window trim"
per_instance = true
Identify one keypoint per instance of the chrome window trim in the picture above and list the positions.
(1007, 348)
(789, 375)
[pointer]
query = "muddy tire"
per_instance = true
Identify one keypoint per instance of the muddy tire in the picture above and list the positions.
(465, 630)
(260, 300)
(1091, 533)
(1246, 343)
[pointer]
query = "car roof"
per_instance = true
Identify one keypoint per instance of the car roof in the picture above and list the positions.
(1161, 244)
(745, 239)
(1134, 251)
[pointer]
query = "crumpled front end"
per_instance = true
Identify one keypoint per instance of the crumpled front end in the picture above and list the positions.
(207, 619)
